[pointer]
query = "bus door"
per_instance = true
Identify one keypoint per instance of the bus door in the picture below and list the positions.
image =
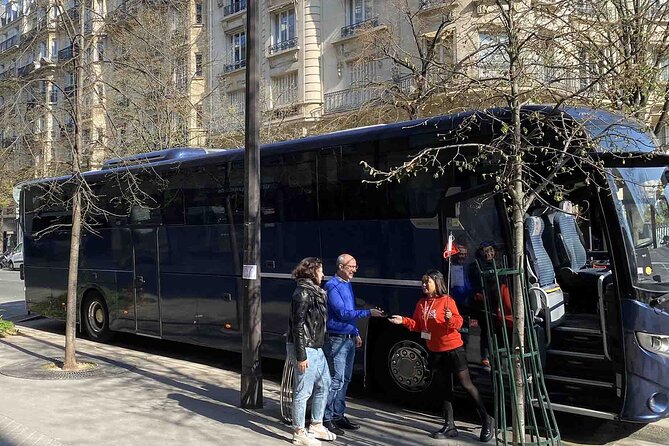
(472, 216)
(147, 304)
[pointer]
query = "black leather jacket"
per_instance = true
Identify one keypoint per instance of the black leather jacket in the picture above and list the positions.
(308, 315)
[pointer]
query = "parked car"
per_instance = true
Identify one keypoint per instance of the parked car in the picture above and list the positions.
(15, 260)
(4, 258)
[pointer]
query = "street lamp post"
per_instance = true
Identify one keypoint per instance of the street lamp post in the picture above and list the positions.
(251, 383)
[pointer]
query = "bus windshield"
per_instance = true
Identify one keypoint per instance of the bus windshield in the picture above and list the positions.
(641, 198)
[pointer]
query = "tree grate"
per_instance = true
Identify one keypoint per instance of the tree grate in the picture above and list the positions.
(38, 368)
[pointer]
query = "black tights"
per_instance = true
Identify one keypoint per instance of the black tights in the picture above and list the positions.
(468, 385)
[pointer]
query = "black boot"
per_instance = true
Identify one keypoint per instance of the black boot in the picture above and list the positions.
(447, 431)
(487, 429)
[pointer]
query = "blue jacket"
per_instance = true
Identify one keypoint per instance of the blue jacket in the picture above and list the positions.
(341, 307)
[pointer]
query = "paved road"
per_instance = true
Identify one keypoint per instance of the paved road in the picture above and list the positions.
(12, 303)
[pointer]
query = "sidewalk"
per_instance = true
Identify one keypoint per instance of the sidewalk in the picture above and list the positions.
(155, 400)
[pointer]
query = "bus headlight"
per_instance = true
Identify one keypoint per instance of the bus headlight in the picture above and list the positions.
(654, 343)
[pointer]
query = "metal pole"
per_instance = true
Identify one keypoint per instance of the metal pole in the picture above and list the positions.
(251, 385)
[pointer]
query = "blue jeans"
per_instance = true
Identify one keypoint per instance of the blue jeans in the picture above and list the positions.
(340, 353)
(316, 380)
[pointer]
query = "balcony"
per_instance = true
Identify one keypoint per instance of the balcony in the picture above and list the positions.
(26, 69)
(429, 4)
(353, 29)
(234, 7)
(10, 43)
(66, 54)
(282, 46)
(70, 91)
(350, 99)
(237, 65)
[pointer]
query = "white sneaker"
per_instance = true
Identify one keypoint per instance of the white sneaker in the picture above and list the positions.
(321, 432)
(304, 439)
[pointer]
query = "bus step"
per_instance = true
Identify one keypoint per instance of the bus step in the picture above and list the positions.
(582, 396)
(587, 366)
(580, 411)
(579, 340)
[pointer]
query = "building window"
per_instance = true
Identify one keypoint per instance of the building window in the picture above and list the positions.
(199, 116)
(198, 64)
(360, 10)
(237, 58)
(181, 73)
(664, 70)
(362, 73)
(101, 51)
(284, 26)
(493, 58)
(53, 96)
(198, 12)
(234, 6)
(236, 101)
(284, 90)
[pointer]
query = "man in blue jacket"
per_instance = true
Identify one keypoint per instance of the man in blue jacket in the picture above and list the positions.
(341, 341)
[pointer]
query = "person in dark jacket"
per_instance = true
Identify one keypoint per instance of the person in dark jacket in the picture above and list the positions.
(304, 347)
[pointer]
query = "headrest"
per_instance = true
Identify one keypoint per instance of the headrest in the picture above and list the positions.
(567, 207)
(534, 226)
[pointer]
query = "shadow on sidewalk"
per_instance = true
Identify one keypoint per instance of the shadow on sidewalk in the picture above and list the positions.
(227, 413)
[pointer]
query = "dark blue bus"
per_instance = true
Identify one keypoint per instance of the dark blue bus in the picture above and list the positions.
(171, 267)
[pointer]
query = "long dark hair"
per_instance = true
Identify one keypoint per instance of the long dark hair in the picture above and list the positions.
(307, 268)
(440, 284)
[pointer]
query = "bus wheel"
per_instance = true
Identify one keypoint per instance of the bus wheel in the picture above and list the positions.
(401, 368)
(96, 318)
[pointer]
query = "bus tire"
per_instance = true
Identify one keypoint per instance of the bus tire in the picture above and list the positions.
(401, 369)
(95, 318)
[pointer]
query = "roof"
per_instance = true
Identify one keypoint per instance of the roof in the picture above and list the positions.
(596, 122)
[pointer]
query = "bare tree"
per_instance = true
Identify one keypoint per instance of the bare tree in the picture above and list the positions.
(149, 106)
(519, 53)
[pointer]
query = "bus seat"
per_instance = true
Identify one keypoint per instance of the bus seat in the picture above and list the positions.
(569, 236)
(545, 293)
(579, 280)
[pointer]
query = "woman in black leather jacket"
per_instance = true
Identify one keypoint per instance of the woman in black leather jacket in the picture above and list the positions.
(306, 334)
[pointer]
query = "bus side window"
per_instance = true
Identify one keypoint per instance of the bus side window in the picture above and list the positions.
(288, 187)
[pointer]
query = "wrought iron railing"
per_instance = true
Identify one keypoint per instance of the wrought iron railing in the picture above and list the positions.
(9, 43)
(26, 69)
(350, 99)
(355, 27)
(283, 45)
(236, 65)
(66, 54)
(234, 7)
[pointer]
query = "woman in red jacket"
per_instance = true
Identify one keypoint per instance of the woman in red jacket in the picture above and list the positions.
(437, 319)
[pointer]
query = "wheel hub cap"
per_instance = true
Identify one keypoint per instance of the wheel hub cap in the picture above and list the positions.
(408, 366)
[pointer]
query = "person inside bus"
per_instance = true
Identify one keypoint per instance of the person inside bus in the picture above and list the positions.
(461, 287)
(341, 341)
(304, 347)
(437, 319)
(485, 255)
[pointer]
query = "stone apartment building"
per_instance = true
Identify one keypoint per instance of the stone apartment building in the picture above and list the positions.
(318, 61)
(38, 78)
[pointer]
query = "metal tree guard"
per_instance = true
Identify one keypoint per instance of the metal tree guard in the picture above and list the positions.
(540, 425)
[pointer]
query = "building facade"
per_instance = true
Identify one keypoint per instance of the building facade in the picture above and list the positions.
(324, 60)
(39, 52)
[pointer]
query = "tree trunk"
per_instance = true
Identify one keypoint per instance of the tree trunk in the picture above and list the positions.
(70, 362)
(518, 325)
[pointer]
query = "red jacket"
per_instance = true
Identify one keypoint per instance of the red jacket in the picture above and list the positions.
(430, 316)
